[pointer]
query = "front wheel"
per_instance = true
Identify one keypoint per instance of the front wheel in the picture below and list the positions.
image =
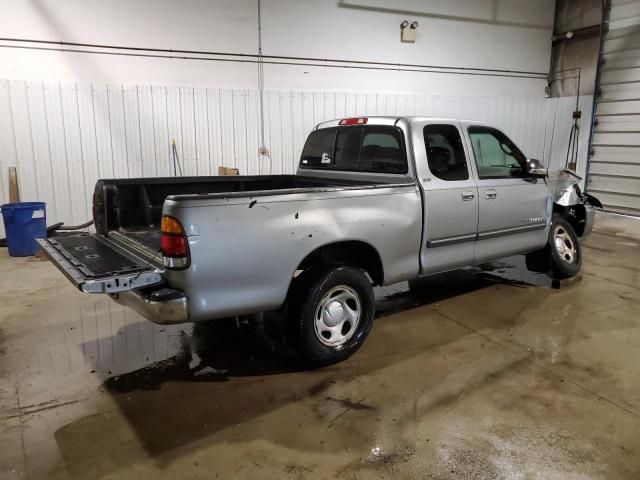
(332, 314)
(566, 253)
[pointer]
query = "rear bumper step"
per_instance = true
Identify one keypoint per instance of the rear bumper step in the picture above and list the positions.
(163, 306)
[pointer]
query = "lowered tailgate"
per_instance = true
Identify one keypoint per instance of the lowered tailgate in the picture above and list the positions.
(96, 265)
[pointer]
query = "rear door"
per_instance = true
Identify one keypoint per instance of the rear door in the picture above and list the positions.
(450, 206)
(514, 208)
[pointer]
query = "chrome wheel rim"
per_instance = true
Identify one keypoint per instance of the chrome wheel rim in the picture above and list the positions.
(337, 316)
(565, 245)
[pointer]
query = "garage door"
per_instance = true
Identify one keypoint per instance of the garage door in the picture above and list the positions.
(614, 168)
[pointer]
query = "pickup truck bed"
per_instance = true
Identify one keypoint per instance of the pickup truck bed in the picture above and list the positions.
(129, 210)
(147, 195)
(127, 214)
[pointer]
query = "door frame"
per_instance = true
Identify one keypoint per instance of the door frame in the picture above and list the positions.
(482, 184)
(427, 182)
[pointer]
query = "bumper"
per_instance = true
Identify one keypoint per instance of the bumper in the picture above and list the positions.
(589, 219)
(163, 306)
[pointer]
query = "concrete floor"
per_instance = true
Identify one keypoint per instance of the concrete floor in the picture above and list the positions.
(487, 373)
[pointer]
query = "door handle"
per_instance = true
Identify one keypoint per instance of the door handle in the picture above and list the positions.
(489, 194)
(466, 196)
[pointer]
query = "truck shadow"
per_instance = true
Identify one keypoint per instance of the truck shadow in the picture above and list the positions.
(226, 373)
(219, 350)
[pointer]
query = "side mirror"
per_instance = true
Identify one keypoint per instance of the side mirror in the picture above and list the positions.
(535, 168)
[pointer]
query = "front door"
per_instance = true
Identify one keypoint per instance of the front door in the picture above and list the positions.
(450, 196)
(514, 208)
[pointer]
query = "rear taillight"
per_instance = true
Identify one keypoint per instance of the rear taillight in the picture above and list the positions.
(173, 244)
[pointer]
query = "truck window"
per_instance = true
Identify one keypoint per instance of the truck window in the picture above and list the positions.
(318, 149)
(376, 149)
(445, 153)
(382, 151)
(496, 155)
(348, 144)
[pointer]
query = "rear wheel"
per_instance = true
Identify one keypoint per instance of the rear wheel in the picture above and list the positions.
(331, 314)
(566, 254)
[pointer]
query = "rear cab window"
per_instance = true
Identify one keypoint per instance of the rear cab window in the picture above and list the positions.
(318, 149)
(371, 148)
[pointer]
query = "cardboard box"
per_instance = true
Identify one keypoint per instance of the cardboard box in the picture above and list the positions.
(226, 171)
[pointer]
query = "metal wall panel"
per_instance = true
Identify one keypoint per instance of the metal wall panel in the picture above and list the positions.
(7, 140)
(162, 140)
(614, 167)
(88, 145)
(58, 161)
(116, 119)
(63, 137)
(188, 137)
(215, 127)
(557, 131)
(72, 135)
(132, 136)
(146, 126)
(103, 132)
(40, 140)
(19, 109)
(201, 131)
(174, 128)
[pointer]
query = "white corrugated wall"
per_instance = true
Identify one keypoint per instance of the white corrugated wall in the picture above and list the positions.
(64, 136)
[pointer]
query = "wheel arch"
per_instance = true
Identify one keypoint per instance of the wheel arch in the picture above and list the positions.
(576, 215)
(356, 253)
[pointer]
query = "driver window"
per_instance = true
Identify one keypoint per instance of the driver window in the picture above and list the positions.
(496, 155)
(445, 153)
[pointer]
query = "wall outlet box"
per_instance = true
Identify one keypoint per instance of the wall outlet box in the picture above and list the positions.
(408, 35)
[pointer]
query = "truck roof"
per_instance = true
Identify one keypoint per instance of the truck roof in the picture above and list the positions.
(392, 120)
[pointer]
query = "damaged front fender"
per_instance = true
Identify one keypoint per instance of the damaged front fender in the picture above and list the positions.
(564, 188)
(568, 200)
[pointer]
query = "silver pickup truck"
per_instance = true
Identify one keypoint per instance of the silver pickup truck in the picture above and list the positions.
(375, 201)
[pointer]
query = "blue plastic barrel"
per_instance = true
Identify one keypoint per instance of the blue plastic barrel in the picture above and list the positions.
(23, 223)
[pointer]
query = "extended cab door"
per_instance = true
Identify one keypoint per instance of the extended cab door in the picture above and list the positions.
(450, 204)
(514, 207)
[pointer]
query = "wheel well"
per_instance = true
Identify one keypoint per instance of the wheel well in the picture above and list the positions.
(574, 214)
(353, 252)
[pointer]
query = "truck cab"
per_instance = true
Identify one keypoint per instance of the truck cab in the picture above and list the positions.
(480, 199)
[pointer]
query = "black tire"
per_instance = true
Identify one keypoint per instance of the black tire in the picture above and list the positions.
(564, 247)
(310, 294)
